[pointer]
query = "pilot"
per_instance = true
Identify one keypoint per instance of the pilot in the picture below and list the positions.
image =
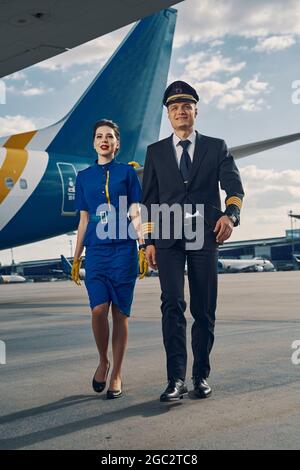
(186, 169)
(111, 259)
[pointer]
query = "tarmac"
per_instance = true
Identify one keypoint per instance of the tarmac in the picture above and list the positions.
(46, 397)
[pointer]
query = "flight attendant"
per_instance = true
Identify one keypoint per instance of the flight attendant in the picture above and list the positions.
(111, 261)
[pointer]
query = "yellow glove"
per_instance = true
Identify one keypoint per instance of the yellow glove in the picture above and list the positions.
(75, 271)
(134, 164)
(143, 265)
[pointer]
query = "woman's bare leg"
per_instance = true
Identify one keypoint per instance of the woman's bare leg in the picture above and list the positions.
(101, 333)
(119, 343)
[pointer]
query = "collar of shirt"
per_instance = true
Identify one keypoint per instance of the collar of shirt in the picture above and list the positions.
(104, 165)
(178, 148)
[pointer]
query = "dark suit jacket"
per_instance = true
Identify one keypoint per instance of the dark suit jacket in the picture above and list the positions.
(163, 183)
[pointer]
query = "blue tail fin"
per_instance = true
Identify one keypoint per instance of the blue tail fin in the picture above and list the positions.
(128, 90)
(66, 265)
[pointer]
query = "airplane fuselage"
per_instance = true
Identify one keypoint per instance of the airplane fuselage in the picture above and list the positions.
(39, 202)
(11, 279)
(246, 265)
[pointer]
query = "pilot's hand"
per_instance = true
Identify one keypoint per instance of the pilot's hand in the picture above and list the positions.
(75, 271)
(223, 229)
(151, 256)
(143, 265)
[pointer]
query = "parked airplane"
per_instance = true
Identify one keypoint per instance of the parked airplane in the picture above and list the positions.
(11, 278)
(245, 265)
(224, 265)
(38, 169)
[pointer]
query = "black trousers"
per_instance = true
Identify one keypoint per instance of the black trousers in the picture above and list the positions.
(202, 277)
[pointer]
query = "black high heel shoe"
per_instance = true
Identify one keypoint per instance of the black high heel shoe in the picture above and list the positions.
(98, 387)
(111, 394)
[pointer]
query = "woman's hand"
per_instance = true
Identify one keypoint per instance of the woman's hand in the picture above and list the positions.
(143, 265)
(134, 164)
(75, 271)
(84, 220)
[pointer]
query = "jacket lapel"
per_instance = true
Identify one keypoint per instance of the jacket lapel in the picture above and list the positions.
(201, 148)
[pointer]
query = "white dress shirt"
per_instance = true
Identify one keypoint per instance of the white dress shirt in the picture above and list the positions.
(179, 149)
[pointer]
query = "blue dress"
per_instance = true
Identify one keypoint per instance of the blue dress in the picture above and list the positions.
(111, 260)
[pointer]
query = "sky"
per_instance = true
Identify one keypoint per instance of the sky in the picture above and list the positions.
(243, 59)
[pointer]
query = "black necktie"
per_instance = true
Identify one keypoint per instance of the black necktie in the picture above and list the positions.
(185, 161)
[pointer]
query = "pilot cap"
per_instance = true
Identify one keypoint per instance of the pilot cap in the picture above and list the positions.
(178, 92)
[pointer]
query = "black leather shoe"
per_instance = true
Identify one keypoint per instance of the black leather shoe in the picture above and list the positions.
(111, 394)
(175, 391)
(98, 387)
(201, 387)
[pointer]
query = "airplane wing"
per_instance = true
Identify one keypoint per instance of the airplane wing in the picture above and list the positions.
(242, 151)
(34, 31)
(245, 150)
(250, 267)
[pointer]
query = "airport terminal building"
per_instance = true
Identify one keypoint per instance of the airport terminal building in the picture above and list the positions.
(283, 252)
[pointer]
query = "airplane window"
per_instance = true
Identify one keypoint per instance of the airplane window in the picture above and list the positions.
(23, 183)
(9, 182)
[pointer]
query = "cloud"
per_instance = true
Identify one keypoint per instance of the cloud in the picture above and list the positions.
(232, 94)
(268, 188)
(213, 19)
(203, 65)
(34, 91)
(95, 52)
(228, 94)
(269, 196)
(14, 124)
(29, 90)
(274, 43)
(256, 176)
(216, 43)
(247, 98)
(237, 99)
(255, 87)
(16, 76)
(81, 76)
(211, 89)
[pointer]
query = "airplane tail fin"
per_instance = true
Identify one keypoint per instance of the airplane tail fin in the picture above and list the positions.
(66, 265)
(128, 90)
